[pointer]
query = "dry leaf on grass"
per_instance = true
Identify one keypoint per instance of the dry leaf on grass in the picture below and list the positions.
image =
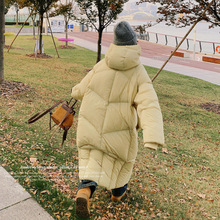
(33, 160)
(45, 191)
(202, 196)
(164, 150)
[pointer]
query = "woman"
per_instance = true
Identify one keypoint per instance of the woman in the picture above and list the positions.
(117, 97)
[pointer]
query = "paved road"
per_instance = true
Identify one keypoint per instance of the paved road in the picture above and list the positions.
(155, 55)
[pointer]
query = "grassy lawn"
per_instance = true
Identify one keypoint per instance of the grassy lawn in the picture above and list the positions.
(179, 181)
(18, 26)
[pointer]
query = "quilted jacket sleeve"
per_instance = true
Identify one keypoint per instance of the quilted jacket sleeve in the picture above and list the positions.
(149, 112)
(79, 90)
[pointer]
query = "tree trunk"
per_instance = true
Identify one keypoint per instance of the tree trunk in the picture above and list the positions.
(66, 24)
(41, 30)
(2, 25)
(17, 14)
(4, 34)
(66, 31)
(17, 17)
(99, 45)
(33, 20)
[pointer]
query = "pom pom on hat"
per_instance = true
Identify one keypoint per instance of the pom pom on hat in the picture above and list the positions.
(124, 34)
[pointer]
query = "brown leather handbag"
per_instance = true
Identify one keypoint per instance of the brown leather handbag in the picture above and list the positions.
(63, 116)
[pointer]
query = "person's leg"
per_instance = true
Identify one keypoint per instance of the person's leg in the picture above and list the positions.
(118, 193)
(85, 190)
(88, 183)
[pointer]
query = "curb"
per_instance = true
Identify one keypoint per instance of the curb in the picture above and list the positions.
(211, 59)
(181, 54)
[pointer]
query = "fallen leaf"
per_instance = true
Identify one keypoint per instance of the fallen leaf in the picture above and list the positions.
(68, 214)
(152, 215)
(202, 196)
(182, 200)
(110, 215)
(164, 150)
(45, 191)
(70, 208)
(33, 160)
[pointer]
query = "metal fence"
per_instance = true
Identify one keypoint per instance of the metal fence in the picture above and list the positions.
(12, 18)
(188, 44)
(21, 18)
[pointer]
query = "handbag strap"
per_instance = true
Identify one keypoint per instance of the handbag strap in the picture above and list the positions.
(64, 137)
(42, 113)
(74, 103)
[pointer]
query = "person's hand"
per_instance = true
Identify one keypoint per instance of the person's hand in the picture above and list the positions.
(151, 146)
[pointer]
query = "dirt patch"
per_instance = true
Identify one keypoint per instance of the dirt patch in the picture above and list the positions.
(41, 56)
(31, 38)
(6, 46)
(211, 107)
(67, 47)
(10, 88)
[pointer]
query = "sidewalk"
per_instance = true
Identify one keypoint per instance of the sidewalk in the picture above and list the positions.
(155, 55)
(16, 203)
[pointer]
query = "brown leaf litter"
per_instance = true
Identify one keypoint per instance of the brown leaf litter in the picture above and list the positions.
(9, 88)
(211, 107)
(38, 55)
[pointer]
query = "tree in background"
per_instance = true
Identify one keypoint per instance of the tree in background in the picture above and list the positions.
(185, 12)
(100, 13)
(2, 27)
(41, 7)
(142, 28)
(69, 10)
(17, 10)
(33, 18)
(8, 4)
(31, 9)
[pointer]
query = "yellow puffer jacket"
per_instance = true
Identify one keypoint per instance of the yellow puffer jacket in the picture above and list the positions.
(117, 97)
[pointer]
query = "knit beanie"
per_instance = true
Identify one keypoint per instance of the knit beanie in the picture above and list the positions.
(124, 34)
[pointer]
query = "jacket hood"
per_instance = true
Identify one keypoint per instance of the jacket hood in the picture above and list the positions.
(122, 57)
